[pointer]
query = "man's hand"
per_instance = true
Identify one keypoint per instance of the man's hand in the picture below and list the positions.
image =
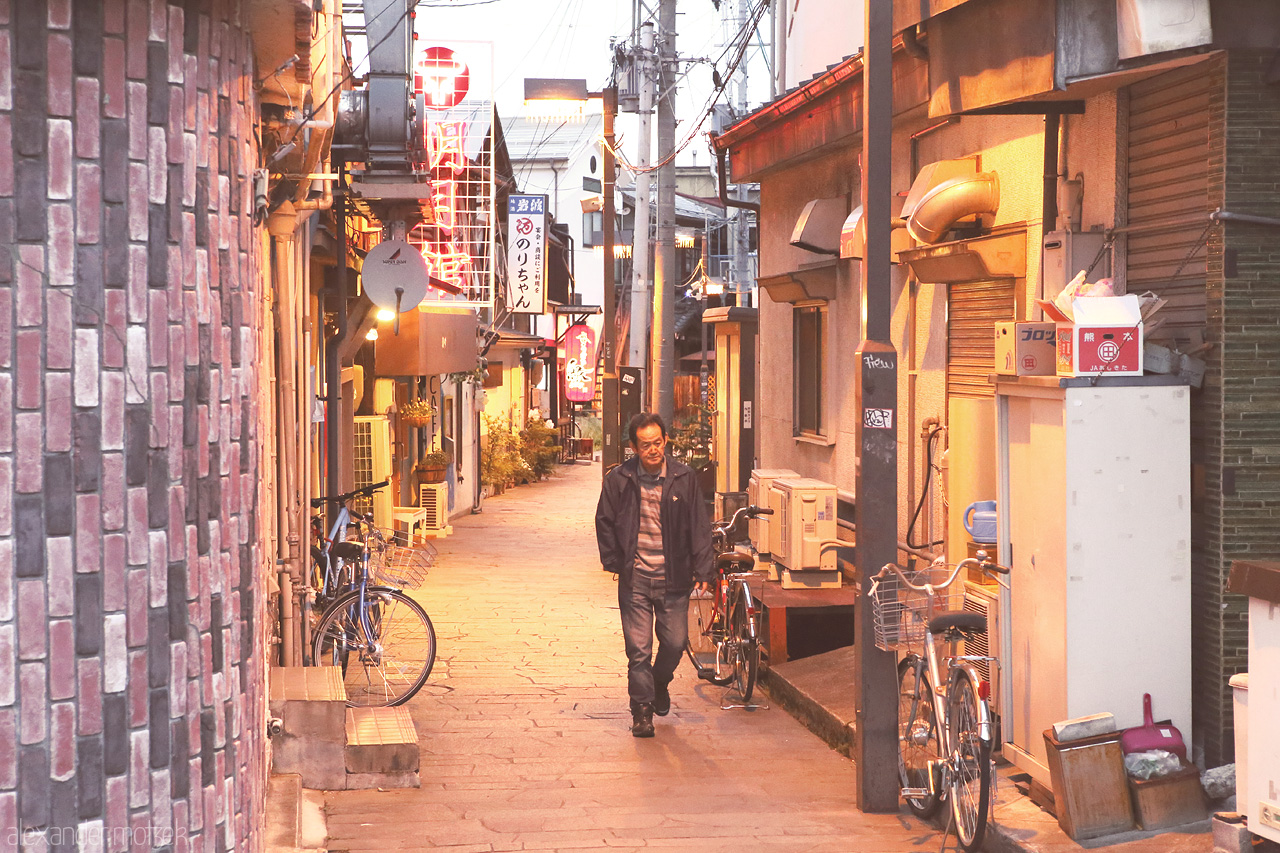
(702, 587)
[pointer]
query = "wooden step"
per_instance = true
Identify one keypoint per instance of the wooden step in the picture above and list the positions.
(381, 749)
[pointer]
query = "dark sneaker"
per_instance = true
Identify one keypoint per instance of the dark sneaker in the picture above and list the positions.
(642, 721)
(661, 699)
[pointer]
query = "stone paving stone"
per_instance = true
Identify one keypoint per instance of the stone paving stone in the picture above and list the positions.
(524, 731)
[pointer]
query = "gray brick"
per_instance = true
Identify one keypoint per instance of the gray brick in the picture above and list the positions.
(34, 786)
(88, 613)
(115, 246)
(30, 35)
(208, 736)
(158, 648)
(180, 779)
(59, 494)
(87, 451)
(90, 307)
(137, 438)
(90, 779)
(158, 723)
(215, 619)
(86, 24)
(63, 812)
(29, 190)
(157, 245)
(115, 734)
(29, 535)
(178, 621)
(30, 107)
(157, 84)
(158, 489)
(6, 240)
(115, 160)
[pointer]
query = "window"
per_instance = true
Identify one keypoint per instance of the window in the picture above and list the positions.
(592, 228)
(809, 334)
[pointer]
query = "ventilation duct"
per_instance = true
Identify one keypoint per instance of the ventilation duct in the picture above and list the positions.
(950, 201)
(818, 227)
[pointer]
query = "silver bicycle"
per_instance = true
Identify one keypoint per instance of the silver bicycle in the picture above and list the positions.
(944, 722)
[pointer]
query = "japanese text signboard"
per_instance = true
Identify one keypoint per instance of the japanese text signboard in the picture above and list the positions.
(580, 364)
(526, 254)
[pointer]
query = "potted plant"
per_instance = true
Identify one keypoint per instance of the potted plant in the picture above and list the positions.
(417, 413)
(431, 467)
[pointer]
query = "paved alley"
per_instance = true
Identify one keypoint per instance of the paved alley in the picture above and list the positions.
(525, 732)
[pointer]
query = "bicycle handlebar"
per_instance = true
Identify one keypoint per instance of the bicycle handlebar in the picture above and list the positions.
(343, 498)
(749, 511)
(982, 562)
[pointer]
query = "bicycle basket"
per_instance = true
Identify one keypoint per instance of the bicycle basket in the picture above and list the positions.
(901, 613)
(396, 563)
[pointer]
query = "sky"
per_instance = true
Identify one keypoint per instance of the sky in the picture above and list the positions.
(571, 38)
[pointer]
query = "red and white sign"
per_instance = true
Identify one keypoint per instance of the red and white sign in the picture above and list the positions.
(580, 364)
(442, 78)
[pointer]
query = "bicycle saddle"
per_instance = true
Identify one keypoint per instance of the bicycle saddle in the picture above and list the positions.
(958, 620)
(348, 550)
(737, 560)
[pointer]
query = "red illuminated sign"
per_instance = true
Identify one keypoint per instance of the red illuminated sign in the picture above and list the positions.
(580, 364)
(442, 77)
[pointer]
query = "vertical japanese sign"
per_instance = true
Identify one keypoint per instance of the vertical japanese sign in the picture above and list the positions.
(580, 364)
(526, 254)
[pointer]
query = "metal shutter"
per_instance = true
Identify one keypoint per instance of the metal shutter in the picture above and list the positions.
(1168, 177)
(973, 309)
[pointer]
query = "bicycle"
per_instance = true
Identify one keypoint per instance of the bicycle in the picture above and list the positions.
(944, 736)
(724, 637)
(381, 638)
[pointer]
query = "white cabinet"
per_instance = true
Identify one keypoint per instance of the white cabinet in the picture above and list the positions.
(1095, 523)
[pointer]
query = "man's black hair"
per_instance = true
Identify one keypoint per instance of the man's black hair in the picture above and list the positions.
(643, 420)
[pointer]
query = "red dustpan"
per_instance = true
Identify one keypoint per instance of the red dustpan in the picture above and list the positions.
(1151, 735)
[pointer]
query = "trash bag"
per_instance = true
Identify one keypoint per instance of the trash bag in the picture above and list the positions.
(1151, 764)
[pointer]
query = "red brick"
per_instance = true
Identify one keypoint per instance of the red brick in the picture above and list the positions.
(8, 671)
(62, 245)
(32, 617)
(29, 301)
(114, 589)
(190, 89)
(115, 654)
(29, 455)
(88, 533)
(177, 679)
(136, 607)
(114, 104)
(136, 287)
(88, 124)
(138, 706)
(177, 509)
(62, 741)
(57, 437)
(86, 368)
(6, 71)
(136, 39)
(61, 575)
(157, 166)
(59, 14)
(157, 329)
(135, 365)
(33, 701)
(58, 74)
(6, 324)
(113, 17)
(158, 568)
(161, 822)
(6, 153)
(116, 825)
(62, 660)
(137, 95)
(58, 184)
(28, 346)
(117, 318)
(177, 358)
(159, 22)
(89, 688)
(139, 777)
(6, 530)
(88, 203)
(58, 347)
(177, 114)
(8, 757)
(112, 410)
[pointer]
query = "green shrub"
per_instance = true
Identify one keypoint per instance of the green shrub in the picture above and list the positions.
(501, 463)
(538, 447)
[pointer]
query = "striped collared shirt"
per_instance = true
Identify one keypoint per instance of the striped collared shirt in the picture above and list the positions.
(649, 557)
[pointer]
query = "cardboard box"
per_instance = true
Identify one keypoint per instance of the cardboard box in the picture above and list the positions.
(1025, 349)
(1103, 337)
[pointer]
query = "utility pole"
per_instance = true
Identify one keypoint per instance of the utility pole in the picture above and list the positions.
(741, 227)
(611, 452)
(664, 280)
(876, 428)
(641, 299)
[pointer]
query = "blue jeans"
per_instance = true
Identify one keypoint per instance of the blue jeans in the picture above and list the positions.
(646, 606)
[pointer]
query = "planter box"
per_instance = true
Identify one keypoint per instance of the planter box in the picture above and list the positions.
(1169, 800)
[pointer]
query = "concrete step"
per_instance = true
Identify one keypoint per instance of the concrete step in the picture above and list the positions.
(295, 816)
(311, 702)
(382, 749)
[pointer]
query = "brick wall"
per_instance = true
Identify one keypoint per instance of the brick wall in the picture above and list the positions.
(1242, 393)
(131, 629)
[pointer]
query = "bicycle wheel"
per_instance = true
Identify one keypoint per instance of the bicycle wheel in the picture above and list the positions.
(746, 651)
(970, 761)
(392, 665)
(917, 734)
(701, 643)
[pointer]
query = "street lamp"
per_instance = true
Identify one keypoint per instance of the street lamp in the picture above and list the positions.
(575, 91)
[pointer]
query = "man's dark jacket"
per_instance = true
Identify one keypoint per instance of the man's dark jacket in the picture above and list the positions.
(686, 528)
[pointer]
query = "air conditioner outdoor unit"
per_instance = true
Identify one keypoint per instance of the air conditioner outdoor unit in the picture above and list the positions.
(434, 498)
(760, 529)
(805, 515)
(371, 461)
(985, 600)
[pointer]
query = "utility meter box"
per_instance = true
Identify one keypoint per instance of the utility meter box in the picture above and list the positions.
(760, 529)
(805, 516)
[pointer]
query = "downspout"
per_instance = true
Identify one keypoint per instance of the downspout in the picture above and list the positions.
(1049, 210)
(290, 575)
(332, 365)
(724, 187)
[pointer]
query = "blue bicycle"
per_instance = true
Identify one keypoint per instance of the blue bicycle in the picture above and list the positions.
(381, 638)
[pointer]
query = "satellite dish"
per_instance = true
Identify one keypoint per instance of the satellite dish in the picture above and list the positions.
(395, 276)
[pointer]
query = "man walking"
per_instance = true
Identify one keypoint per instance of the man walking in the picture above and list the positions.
(654, 534)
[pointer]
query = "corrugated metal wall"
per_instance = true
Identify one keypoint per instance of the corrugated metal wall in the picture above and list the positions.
(1168, 181)
(973, 309)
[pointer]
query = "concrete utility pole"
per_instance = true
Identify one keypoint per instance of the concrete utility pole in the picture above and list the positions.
(876, 428)
(664, 280)
(641, 300)
(611, 452)
(741, 227)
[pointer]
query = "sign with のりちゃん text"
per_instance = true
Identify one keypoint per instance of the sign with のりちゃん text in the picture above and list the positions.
(526, 254)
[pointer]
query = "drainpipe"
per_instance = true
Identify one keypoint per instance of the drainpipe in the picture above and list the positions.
(332, 363)
(1049, 210)
(724, 187)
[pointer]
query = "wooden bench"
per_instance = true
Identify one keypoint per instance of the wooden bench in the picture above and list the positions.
(786, 612)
